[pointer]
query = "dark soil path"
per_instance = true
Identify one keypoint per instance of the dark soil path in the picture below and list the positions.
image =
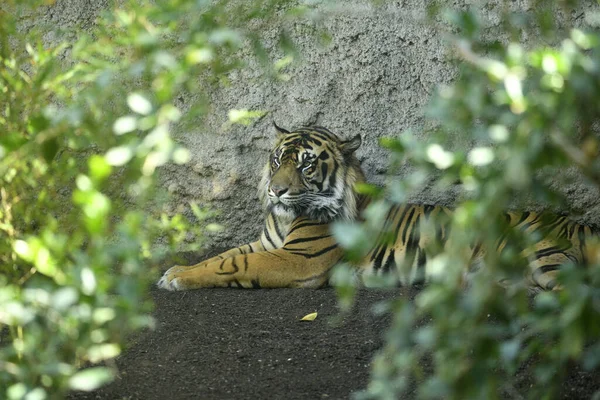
(250, 344)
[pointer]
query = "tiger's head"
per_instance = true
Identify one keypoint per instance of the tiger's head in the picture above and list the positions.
(311, 172)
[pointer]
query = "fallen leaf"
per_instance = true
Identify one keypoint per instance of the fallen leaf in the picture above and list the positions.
(309, 317)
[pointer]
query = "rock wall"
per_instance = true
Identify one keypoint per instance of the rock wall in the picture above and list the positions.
(373, 78)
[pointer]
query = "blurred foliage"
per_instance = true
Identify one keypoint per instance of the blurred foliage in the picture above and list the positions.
(532, 111)
(85, 125)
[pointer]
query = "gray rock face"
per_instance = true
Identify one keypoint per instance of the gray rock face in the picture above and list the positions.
(373, 78)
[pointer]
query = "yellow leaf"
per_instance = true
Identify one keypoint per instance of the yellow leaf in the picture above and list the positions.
(309, 317)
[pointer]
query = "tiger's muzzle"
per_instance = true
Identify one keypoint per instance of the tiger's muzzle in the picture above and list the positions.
(285, 182)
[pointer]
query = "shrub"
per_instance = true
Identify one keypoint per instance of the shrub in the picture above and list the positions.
(533, 113)
(86, 124)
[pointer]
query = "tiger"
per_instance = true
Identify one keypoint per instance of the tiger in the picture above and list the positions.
(308, 183)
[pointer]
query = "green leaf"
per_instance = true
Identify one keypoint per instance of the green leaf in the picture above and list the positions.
(103, 352)
(36, 394)
(259, 50)
(203, 55)
(510, 349)
(244, 117)
(467, 21)
(45, 263)
(49, 149)
(64, 298)
(125, 124)
(139, 104)
(39, 123)
(12, 141)
(16, 391)
(23, 250)
(349, 235)
(368, 189)
(392, 144)
(100, 169)
(91, 379)
(287, 44)
(119, 156)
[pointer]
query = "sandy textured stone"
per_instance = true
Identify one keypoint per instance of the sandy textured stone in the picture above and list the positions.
(374, 78)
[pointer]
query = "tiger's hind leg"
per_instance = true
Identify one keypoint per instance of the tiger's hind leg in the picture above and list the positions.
(564, 244)
(545, 269)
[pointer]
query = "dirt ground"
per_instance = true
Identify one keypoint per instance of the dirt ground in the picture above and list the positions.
(250, 344)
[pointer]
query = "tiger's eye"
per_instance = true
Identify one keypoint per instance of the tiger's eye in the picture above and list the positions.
(275, 162)
(307, 167)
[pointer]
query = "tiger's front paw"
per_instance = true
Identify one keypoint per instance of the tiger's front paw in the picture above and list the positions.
(170, 281)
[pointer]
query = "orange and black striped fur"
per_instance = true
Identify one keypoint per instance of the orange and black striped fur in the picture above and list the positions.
(307, 184)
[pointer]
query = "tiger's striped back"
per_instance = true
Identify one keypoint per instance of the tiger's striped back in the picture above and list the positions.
(412, 229)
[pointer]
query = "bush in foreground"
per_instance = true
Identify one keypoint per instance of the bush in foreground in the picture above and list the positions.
(85, 126)
(533, 114)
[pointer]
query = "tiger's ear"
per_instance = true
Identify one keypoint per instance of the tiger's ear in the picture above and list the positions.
(348, 147)
(279, 130)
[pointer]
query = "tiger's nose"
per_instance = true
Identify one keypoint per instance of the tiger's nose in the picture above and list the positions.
(279, 190)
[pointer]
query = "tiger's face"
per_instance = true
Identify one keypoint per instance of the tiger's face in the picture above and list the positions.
(311, 172)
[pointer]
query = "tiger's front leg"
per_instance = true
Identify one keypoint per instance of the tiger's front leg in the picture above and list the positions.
(245, 249)
(267, 269)
(304, 260)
